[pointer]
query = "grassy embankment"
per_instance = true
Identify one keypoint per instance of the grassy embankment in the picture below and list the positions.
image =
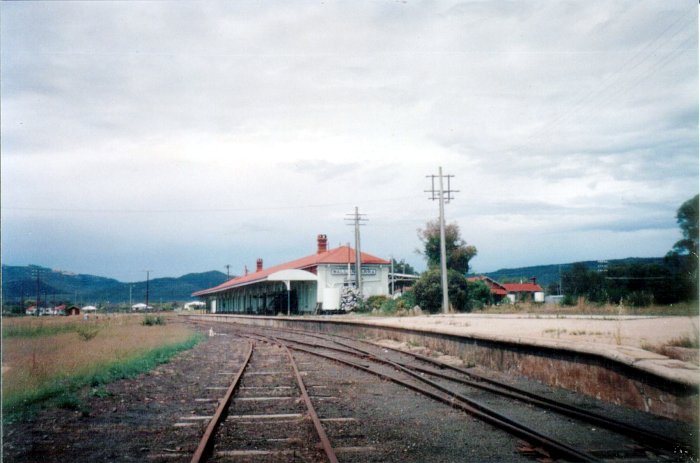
(52, 361)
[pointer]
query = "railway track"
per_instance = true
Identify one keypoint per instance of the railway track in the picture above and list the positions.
(497, 404)
(266, 413)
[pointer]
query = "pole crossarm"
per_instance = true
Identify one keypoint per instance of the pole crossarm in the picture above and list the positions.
(447, 193)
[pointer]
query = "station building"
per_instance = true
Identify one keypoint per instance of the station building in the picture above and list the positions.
(307, 285)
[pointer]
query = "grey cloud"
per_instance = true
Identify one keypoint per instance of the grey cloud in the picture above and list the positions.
(321, 170)
(524, 101)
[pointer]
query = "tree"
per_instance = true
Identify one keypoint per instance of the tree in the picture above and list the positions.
(428, 291)
(458, 252)
(479, 294)
(687, 218)
(682, 260)
(580, 281)
(401, 266)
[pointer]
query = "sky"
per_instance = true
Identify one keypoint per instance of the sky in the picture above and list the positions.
(180, 137)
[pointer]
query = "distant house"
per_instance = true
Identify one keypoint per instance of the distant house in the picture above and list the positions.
(514, 292)
(89, 308)
(73, 310)
(195, 305)
(531, 292)
(31, 310)
(141, 307)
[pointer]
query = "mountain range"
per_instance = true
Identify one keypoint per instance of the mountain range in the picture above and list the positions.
(54, 286)
(548, 274)
(60, 286)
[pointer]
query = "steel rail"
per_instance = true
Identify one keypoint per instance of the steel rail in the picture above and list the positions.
(641, 435)
(465, 404)
(513, 392)
(325, 442)
(207, 439)
(507, 390)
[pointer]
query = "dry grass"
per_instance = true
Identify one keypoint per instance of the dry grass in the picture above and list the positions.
(685, 347)
(77, 348)
(585, 308)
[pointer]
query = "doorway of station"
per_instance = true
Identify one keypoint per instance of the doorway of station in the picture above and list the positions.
(279, 301)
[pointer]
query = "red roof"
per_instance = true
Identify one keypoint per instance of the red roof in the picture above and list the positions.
(501, 289)
(522, 287)
(495, 287)
(340, 255)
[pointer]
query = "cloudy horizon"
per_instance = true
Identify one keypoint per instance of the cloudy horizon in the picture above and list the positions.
(181, 137)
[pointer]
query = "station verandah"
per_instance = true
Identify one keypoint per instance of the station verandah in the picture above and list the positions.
(267, 298)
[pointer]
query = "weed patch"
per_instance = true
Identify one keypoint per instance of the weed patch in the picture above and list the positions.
(153, 320)
(86, 333)
(36, 329)
(62, 388)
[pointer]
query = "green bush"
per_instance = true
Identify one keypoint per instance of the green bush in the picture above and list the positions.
(479, 294)
(428, 291)
(389, 306)
(568, 300)
(150, 320)
(407, 300)
(86, 333)
(375, 303)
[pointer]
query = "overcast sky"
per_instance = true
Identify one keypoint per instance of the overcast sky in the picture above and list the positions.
(180, 137)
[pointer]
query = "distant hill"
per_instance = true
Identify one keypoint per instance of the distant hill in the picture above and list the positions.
(56, 285)
(547, 274)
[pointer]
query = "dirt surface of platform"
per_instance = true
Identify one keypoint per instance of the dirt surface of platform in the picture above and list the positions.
(632, 331)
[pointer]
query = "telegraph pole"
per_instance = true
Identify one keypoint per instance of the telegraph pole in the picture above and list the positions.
(443, 196)
(148, 273)
(37, 273)
(393, 277)
(228, 267)
(357, 220)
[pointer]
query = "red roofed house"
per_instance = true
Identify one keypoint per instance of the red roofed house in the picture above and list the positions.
(303, 285)
(515, 292)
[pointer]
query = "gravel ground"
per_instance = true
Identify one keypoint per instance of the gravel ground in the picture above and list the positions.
(153, 417)
(633, 331)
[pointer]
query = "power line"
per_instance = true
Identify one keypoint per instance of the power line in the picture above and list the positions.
(584, 103)
(201, 210)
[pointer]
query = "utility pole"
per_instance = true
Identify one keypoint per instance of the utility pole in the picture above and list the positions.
(357, 220)
(130, 288)
(37, 272)
(228, 267)
(560, 280)
(443, 196)
(393, 277)
(148, 273)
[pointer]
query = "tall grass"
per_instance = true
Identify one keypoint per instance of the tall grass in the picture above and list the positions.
(60, 391)
(36, 328)
(48, 370)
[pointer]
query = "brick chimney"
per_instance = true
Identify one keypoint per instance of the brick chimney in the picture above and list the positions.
(322, 243)
(258, 265)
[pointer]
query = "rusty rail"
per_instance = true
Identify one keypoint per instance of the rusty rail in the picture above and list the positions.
(471, 407)
(325, 443)
(641, 435)
(207, 439)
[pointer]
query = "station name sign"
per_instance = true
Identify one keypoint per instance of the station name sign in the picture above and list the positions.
(345, 271)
